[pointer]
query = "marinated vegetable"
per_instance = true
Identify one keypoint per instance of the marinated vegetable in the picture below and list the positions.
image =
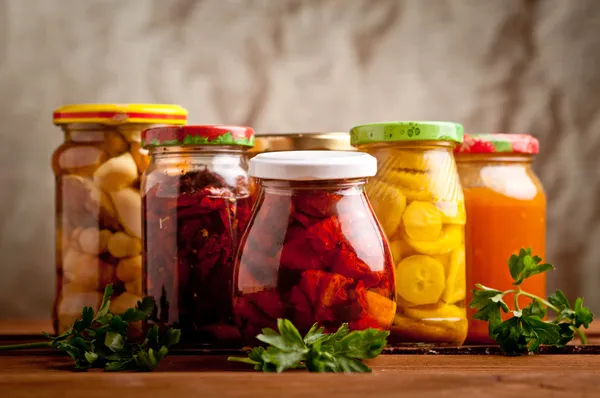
(506, 206)
(98, 203)
(196, 203)
(417, 196)
(313, 251)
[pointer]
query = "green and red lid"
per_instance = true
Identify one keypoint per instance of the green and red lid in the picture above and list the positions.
(406, 131)
(198, 135)
(499, 143)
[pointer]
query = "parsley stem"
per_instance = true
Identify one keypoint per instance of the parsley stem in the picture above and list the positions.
(581, 336)
(516, 299)
(541, 300)
(38, 344)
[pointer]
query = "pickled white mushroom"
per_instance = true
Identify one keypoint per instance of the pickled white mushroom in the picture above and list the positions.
(81, 195)
(92, 241)
(122, 245)
(123, 302)
(116, 173)
(128, 204)
(71, 260)
(130, 269)
(99, 203)
(74, 241)
(140, 156)
(89, 273)
(134, 287)
(131, 133)
(115, 143)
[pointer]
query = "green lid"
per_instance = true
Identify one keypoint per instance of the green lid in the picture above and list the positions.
(406, 131)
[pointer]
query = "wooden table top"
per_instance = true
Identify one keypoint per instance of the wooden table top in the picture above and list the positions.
(43, 373)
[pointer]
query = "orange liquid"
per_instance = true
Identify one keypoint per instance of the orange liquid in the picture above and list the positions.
(497, 227)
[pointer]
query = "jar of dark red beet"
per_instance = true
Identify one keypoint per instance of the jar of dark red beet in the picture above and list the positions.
(313, 251)
(195, 205)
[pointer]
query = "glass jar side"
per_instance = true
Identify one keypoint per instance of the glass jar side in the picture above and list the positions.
(506, 211)
(313, 252)
(98, 229)
(195, 205)
(417, 196)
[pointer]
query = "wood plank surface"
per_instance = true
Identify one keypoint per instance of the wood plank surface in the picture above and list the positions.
(43, 373)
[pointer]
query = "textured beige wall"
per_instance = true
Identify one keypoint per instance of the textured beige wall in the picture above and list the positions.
(493, 65)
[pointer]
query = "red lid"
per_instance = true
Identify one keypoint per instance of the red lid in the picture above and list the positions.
(198, 135)
(499, 143)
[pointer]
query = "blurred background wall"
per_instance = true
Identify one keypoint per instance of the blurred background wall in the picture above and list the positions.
(527, 66)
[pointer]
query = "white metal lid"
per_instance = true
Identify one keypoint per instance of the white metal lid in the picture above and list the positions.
(312, 165)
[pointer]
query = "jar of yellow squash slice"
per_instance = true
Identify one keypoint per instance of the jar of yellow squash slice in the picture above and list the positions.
(418, 199)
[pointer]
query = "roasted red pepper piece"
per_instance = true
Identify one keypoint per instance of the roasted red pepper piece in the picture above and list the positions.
(255, 311)
(190, 241)
(317, 204)
(298, 254)
(317, 296)
(347, 263)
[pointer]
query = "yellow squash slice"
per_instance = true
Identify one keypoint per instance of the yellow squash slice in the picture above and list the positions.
(422, 221)
(455, 281)
(452, 237)
(437, 312)
(420, 279)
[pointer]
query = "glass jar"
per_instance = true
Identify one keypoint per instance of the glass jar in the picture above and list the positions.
(98, 204)
(418, 199)
(313, 250)
(506, 211)
(195, 203)
(335, 141)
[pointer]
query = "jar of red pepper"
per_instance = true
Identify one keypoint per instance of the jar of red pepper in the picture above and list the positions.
(313, 251)
(195, 205)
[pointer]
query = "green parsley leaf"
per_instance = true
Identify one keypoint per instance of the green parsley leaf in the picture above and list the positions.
(101, 340)
(314, 334)
(364, 344)
(105, 305)
(526, 265)
(583, 315)
(341, 351)
(528, 328)
(538, 332)
(91, 357)
(114, 341)
(559, 300)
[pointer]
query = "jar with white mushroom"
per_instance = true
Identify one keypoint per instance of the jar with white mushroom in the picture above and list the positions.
(98, 203)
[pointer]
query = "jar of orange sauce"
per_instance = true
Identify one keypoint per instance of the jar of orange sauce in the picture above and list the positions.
(506, 211)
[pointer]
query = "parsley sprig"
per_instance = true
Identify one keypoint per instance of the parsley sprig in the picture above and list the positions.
(99, 340)
(526, 330)
(342, 351)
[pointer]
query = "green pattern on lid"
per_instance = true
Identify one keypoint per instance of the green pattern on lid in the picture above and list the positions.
(406, 131)
(198, 135)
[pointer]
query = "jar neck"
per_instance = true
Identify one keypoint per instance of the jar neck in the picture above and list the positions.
(494, 158)
(96, 132)
(353, 185)
(85, 132)
(161, 152)
(420, 145)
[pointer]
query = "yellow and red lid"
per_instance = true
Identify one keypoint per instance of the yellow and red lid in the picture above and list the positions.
(499, 143)
(120, 114)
